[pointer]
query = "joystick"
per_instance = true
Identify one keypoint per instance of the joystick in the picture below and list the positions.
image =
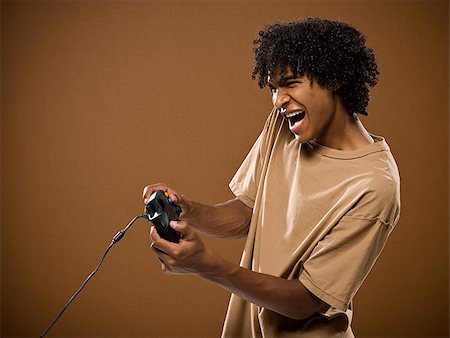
(160, 211)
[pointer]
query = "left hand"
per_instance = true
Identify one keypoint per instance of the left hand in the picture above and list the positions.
(189, 256)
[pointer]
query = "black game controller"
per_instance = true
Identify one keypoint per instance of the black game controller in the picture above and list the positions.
(160, 211)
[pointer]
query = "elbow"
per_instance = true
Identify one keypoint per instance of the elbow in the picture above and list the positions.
(304, 304)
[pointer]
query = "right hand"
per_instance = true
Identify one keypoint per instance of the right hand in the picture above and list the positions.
(173, 195)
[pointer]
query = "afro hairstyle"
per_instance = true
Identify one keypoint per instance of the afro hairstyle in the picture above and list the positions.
(332, 53)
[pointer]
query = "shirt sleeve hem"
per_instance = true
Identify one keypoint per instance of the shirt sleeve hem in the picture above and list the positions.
(318, 292)
(241, 195)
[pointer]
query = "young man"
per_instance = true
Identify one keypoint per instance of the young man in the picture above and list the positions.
(317, 196)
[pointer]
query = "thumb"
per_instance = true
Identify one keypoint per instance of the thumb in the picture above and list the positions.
(183, 228)
(182, 202)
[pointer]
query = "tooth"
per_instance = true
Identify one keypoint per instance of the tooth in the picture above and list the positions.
(293, 114)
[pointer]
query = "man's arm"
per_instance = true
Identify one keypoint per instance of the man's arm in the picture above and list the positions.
(287, 297)
(230, 219)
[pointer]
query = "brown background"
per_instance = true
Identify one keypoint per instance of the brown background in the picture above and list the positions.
(102, 98)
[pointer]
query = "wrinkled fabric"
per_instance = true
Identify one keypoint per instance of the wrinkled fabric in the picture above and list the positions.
(321, 216)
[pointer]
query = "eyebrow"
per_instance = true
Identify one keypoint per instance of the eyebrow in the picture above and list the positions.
(281, 82)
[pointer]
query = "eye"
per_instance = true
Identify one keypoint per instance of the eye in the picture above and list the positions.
(292, 83)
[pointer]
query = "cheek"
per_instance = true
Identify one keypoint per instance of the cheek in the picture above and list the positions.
(320, 113)
(325, 104)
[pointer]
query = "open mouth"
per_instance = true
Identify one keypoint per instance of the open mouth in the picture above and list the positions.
(295, 117)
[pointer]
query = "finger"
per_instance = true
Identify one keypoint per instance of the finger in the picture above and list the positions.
(165, 268)
(154, 236)
(174, 196)
(183, 228)
(161, 244)
(167, 262)
(162, 256)
(150, 189)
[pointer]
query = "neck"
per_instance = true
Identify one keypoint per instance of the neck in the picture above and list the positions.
(351, 135)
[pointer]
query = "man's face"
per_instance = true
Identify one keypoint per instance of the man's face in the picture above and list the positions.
(310, 109)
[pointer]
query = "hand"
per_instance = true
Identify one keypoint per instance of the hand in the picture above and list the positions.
(173, 195)
(189, 256)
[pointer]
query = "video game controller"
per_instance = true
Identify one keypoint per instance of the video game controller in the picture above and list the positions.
(160, 211)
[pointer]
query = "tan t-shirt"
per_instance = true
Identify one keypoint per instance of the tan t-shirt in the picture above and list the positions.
(320, 215)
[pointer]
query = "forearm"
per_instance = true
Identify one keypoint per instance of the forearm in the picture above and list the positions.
(190, 256)
(286, 297)
(225, 220)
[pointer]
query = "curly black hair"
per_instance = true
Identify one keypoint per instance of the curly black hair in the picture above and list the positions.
(330, 52)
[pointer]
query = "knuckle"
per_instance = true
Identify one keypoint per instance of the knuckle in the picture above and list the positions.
(181, 225)
(177, 254)
(160, 185)
(170, 264)
(152, 187)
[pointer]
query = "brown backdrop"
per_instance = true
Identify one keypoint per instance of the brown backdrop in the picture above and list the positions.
(102, 98)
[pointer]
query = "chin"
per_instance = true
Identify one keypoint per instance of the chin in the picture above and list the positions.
(302, 138)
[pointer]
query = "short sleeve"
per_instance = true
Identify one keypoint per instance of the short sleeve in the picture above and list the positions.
(245, 182)
(342, 260)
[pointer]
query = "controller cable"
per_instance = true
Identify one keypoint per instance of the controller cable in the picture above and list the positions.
(115, 239)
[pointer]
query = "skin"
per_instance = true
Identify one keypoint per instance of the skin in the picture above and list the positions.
(190, 256)
(327, 122)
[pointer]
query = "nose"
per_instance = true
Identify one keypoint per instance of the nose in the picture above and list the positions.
(280, 98)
